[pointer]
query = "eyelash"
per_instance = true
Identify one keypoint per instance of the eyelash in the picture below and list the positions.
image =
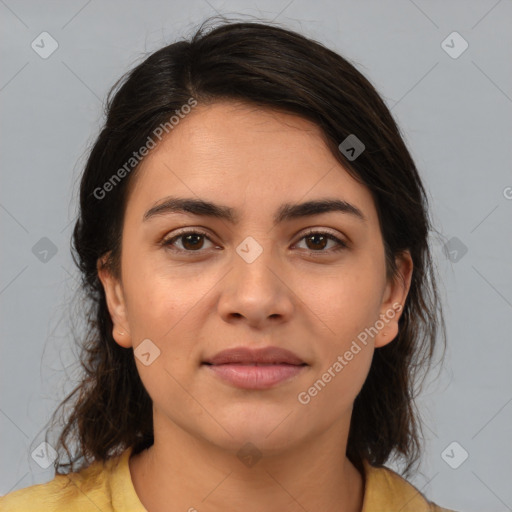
(341, 244)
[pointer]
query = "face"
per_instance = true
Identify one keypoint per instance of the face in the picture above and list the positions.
(195, 284)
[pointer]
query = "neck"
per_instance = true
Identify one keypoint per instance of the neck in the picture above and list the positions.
(182, 472)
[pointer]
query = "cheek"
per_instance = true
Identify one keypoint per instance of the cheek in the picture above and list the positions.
(163, 313)
(167, 306)
(348, 302)
(158, 294)
(336, 382)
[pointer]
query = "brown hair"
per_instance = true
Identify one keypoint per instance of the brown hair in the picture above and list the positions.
(270, 67)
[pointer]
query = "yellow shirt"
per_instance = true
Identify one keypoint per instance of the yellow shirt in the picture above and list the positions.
(109, 488)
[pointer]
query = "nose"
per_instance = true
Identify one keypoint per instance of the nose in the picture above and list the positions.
(257, 290)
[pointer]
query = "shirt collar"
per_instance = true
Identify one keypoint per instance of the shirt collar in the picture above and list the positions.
(387, 490)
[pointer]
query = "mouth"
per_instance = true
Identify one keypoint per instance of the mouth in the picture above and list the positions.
(261, 356)
(254, 375)
(255, 369)
(246, 363)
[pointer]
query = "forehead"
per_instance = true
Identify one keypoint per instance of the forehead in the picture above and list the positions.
(246, 156)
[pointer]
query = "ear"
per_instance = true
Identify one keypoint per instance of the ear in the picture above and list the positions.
(394, 299)
(116, 304)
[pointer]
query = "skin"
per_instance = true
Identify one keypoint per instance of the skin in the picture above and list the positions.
(296, 295)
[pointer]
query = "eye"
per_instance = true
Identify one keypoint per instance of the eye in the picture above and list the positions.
(193, 241)
(319, 239)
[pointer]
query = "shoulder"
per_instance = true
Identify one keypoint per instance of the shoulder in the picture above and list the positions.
(387, 490)
(81, 491)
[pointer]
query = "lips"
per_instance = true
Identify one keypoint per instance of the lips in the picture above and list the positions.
(255, 369)
(255, 357)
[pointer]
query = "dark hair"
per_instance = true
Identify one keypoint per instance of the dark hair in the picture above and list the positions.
(273, 68)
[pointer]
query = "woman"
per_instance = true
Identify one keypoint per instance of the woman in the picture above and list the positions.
(253, 241)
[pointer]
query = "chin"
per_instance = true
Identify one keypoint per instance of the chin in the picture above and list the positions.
(268, 431)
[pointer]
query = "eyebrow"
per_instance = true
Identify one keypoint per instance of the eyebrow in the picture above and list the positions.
(286, 212)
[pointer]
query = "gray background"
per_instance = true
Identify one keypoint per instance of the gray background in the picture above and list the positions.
(455, 114)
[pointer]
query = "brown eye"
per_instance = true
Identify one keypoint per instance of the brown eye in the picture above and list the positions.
(191, 241)
(317, 241)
